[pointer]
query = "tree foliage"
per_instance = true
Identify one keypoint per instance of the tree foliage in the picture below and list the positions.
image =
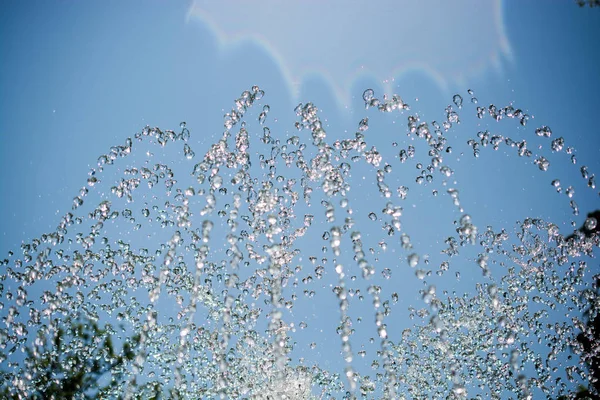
(588, 341)
(591, 3)
(75, 362)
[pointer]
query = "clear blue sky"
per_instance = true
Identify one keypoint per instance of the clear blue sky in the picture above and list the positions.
(79, 77)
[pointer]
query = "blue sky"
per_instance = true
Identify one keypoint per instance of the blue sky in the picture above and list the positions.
(79, 77)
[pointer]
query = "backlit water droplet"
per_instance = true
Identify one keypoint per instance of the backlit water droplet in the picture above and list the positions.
(457, 100)
(591, 223)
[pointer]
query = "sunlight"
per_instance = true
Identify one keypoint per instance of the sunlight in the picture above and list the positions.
(385, 39)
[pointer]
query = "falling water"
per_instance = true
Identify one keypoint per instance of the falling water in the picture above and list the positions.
(282, 264)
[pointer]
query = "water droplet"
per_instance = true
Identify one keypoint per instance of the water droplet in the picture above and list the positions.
(591, 223)
(363, 125)
(413, 260)
(544, 131)
(542, 163)
(457, 100)
(187, 151)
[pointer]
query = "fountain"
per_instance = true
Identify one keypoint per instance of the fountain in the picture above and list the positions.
(310, 263)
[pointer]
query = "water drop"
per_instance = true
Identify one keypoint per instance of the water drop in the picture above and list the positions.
(413, 260)
(591, 223)
(457, 100)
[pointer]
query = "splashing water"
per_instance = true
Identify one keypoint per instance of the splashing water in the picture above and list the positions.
(230, 281)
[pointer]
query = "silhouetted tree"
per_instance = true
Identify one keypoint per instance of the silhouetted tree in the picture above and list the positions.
(586, 347)
(591, 3)
(589, 341)
(73, 362)
(584, 229)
